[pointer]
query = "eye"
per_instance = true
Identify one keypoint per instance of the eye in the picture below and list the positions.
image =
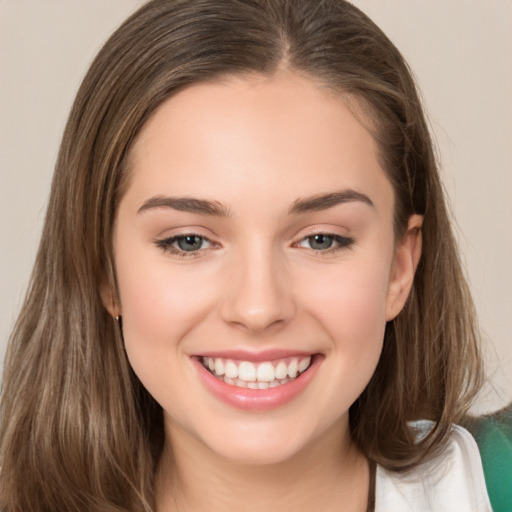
(185, 245)
(325, 242)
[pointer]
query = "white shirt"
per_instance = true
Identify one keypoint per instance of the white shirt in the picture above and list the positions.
(451, 482)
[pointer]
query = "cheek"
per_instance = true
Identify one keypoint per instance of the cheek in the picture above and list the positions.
(160, 304)
(351, 300)
(350, 308)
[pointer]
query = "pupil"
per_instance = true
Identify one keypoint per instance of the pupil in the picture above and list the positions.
(190, 243)
(320, 242)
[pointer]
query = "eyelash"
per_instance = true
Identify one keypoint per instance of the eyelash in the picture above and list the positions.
(167, 245)
(339, 243)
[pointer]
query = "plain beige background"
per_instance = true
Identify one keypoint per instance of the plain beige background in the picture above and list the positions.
(460, 51)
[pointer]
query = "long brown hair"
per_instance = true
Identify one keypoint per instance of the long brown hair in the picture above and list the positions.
(78, 430)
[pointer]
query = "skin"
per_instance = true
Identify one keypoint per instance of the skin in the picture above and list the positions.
(256, 145)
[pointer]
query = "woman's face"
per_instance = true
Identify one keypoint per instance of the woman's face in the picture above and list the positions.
(254, 248)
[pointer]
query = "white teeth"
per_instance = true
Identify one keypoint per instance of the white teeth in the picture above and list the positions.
(265, 372)
(240, 383)
(254, 384)
(246, 371)
(281, 370)
(304, 364)
(218, 366)
(293, 368)
(246, 374)
(231, 370)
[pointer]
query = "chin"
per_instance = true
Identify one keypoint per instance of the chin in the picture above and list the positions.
(258, 454)
(263, 444)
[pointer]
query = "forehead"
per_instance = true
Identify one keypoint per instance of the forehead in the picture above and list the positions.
(279, 136)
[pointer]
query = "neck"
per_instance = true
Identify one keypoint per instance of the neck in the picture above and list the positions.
(327, 474)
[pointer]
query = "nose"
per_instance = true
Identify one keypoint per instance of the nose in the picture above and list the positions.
(258, 295)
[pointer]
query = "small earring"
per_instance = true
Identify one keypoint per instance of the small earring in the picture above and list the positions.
(119, 320)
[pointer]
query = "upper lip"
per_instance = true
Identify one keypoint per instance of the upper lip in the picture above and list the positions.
(255, 356)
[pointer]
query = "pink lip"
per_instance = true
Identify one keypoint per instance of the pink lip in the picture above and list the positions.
(256, 399)
(256, 357)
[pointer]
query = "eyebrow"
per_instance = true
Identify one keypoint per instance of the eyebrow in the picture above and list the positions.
(187, 204)
(325, 201)
(314, 203)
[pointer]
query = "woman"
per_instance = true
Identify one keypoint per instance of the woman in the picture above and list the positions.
(247, 292)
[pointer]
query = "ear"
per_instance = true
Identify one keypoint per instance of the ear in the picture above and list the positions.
(109, 299)
(405, 261)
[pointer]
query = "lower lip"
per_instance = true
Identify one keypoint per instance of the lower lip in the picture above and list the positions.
(257, 399)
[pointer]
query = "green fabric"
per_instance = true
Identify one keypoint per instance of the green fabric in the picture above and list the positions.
(493, 434)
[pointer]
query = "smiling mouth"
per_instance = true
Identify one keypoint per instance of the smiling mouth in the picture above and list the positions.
(262, 375)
